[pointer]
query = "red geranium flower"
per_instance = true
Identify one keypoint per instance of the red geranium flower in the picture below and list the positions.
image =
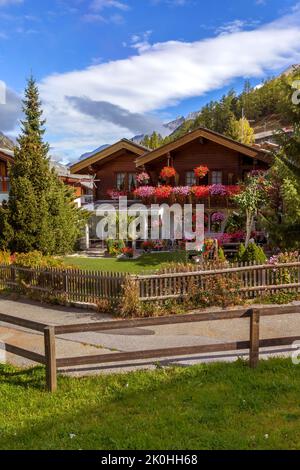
(201, 171)
(167, 172)
(200, 191)
(163, 192)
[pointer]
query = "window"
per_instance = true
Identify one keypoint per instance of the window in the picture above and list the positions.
(216, 177)
(190, 178)
(230, 179)
(131, 181)
(121, 180)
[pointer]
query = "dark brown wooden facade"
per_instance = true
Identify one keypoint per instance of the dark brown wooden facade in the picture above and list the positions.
(113, 168)
(228, 162)
(6, 158)
(226, 166)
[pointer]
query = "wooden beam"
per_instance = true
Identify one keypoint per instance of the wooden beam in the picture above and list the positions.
(32, 356)
(254, 338)
(31, 325)
(50, 355)
(172, 320)
(153, 353)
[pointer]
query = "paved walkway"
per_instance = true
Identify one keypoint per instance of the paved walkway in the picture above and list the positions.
(154, 337)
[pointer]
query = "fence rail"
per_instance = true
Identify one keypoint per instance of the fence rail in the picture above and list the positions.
(52, 363)
(252, 280)
(72, 285)
(75, 285)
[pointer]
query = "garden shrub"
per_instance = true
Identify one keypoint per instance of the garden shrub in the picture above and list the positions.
(285, 275)
(35, 259)
(254, 254)
(221, 290)
(115, 247)
(240, 253)
(5, 257)
(131, 305)
(221, 255)
(280, 298)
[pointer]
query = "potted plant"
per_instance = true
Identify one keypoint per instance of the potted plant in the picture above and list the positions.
(201, 171)
(143, 179)
(167, 173)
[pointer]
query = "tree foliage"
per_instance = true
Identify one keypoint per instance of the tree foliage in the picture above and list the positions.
(241, 131)
(41, 214)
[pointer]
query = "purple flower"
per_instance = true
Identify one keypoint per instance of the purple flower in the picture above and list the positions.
(217, 217)
(218, 190)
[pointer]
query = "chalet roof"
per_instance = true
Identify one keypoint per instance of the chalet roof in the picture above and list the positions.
(6, 154)
(108, 152)
(247, 150)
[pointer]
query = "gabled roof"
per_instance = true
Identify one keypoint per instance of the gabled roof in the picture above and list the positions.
(7, 154)
(108, 152)
(207, 134)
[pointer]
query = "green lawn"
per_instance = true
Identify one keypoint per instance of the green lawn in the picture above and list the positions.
(219, 406)
(147, 262)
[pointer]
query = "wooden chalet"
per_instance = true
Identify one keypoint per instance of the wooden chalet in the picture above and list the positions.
(116, 167)
(115, 170)
(6, 158)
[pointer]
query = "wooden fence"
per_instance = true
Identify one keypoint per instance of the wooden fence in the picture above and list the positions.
(53, 363)
(72, 285)
(75, 285)
(251, 279)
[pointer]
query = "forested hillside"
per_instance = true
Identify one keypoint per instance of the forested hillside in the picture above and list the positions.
(265, 107)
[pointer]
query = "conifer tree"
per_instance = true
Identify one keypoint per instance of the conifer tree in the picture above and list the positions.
(41, 214)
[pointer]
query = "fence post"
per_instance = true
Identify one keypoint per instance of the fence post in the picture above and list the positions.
(254, 337)
(50, 356)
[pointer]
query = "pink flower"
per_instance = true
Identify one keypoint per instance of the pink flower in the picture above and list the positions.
(145, 192)
(182, 191)
(143, 178)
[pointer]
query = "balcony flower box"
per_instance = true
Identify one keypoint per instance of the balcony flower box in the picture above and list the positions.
(163, 193)
(181, 193)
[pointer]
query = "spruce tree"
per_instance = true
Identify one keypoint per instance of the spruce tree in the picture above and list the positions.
(41, 213)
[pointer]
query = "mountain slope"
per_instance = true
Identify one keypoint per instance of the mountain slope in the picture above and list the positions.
(5, 142)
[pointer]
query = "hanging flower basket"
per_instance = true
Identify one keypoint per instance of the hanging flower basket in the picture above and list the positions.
(167, 172)
(143, 178)
(201, 171)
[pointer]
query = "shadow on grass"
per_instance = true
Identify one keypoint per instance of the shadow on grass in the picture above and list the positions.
(26, 378)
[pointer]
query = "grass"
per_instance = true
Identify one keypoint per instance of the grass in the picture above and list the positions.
(147, 262)
(214, 406)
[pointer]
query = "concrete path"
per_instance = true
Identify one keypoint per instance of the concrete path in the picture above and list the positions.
(154, 337)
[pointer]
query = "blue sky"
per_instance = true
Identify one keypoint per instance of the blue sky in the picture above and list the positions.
(115, 68)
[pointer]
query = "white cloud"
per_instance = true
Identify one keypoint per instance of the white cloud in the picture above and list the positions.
(160, 75)
(10, 2)
(236, 26)
(98, 5)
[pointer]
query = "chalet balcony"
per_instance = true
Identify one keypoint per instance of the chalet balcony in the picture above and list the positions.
(212, 196)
